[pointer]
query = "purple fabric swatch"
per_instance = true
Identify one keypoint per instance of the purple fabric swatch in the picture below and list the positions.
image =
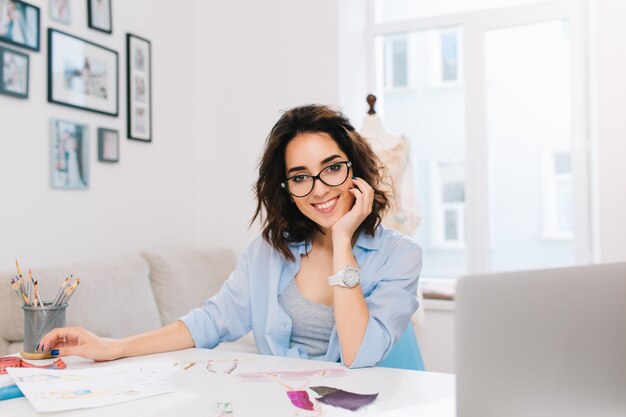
(322, 390)
(347, 400)
(300, 399)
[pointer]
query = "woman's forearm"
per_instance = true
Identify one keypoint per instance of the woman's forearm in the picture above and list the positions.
(351, 312)
(174, 336)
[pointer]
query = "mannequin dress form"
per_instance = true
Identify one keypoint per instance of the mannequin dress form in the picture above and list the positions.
(394, 151)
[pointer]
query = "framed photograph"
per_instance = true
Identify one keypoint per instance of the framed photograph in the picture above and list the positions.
(82, 74)
(139, 88)
(13, 73)
(60, 11)
(19, 24)
(108, 145)
(69, 155)
(99, 15)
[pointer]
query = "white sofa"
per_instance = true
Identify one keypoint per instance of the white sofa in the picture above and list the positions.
(123, 296)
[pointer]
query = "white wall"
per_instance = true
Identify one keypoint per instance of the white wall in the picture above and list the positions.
(253, 60)
(354, 59)
(145, 201)
(608, 125)
(221, 74)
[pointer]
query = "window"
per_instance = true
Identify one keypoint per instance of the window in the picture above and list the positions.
(444, 58)
(396, 62)
(432, 118)
(498, 153)
(449, 57)
(528, 110)
(448, 204)
(557, 196)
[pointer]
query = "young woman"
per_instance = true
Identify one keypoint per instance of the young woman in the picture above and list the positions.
(324, 280)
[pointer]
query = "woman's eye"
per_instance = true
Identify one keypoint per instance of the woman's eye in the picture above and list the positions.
(334, 167)
(298, 178)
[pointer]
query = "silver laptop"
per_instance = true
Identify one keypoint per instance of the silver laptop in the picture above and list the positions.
(542, 343)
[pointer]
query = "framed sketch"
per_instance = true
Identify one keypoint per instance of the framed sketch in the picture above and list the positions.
(108, 145)
(60, 11)
(69, 155)
(82, 74)
(139, 88)
(19, 24)
(13, 73)
(99, 15)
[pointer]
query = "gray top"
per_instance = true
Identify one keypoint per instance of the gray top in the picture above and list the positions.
(312, 323)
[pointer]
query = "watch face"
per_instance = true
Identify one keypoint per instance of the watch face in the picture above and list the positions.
(350, 277)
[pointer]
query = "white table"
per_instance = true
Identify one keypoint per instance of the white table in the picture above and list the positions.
(401, 392)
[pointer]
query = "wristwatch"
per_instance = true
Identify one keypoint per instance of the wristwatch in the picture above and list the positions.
(348, 277)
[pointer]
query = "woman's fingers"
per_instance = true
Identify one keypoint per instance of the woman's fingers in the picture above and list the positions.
(367, 193)
(64, 335)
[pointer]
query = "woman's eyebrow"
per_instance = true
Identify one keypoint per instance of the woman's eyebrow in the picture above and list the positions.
(324, 161)
(330, 158)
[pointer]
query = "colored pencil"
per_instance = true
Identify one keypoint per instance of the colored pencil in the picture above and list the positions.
(19, 273)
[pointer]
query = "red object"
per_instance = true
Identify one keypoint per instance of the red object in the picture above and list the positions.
(15, 362)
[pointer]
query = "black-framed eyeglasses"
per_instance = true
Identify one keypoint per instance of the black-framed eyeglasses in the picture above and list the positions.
(333, 175)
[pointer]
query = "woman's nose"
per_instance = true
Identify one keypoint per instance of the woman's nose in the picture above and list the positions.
(319, 188)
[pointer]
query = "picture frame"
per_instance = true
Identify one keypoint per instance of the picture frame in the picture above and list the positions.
(139, 88)
(82, 74)
(99, 15)
(14, 69)
(69, 155)
(108, 145)
(60, 10)
(20, 24)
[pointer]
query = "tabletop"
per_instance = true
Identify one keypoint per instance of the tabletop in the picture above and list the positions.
(206, 380)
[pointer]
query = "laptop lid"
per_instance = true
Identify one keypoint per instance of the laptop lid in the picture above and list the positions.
(542, 343)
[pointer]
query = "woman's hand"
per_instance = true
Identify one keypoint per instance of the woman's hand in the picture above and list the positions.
(364, 200)
(81, 342)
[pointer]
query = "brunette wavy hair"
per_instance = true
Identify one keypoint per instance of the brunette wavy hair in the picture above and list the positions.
(283, 222)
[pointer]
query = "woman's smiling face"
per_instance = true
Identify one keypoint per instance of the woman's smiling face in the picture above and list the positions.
(308, 154)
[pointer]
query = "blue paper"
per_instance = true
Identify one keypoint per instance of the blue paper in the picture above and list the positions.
(11, 391)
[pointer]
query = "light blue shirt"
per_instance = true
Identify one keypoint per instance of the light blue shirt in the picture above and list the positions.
(390, 264)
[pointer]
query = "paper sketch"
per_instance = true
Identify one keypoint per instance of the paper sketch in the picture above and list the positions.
(72, 389)
(297, 394)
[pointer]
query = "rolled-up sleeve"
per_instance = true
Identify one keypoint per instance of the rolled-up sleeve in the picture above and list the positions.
(225, 316)
(391, 299)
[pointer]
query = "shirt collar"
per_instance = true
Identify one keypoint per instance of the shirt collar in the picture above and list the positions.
(364, 241)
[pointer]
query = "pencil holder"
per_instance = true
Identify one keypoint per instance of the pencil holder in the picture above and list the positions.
(37, 322)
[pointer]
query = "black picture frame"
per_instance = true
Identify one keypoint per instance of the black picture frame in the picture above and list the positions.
(14, 70)
(99, 15)
(20, 24)
(138, 88)
(82, 74)
(69, 155)
(108, 145)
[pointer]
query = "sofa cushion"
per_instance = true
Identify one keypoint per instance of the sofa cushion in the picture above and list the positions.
(184, 280)
(114, 298)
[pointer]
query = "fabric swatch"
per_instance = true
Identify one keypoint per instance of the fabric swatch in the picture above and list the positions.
(323, 390)
(300, 399)
(343, 399)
